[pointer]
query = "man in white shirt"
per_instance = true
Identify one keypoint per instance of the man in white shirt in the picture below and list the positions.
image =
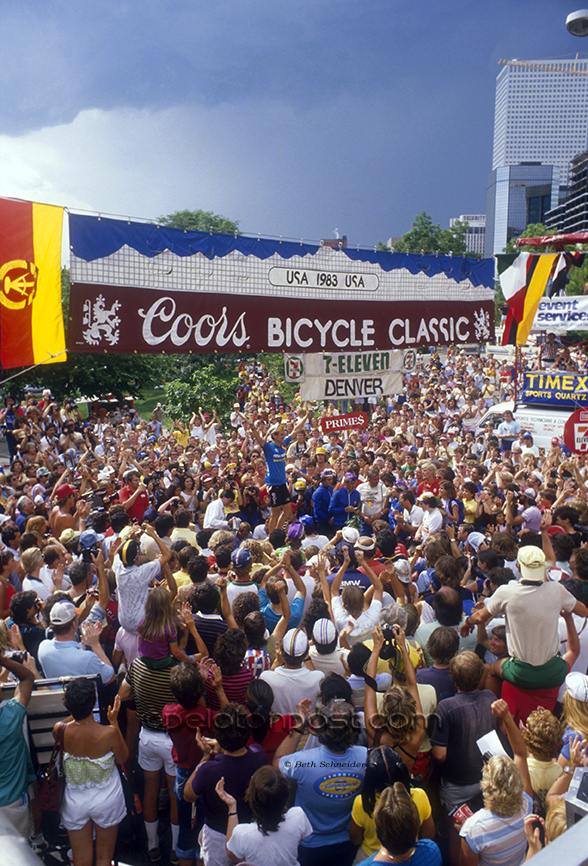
(292, 682)
(214, 516)
(374, 496)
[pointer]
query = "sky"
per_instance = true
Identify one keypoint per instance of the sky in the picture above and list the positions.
(297, 118)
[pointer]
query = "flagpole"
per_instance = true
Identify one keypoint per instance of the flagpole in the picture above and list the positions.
(517, 370)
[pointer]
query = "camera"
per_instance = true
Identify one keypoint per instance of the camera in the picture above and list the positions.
(389, 647)
(88, 552)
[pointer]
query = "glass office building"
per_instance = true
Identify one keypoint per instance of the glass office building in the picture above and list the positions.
(540, 122)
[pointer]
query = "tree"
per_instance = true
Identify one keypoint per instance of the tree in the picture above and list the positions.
(200, 221)
(426, 236)
(211, 386)
(93, 374)
(534, 230)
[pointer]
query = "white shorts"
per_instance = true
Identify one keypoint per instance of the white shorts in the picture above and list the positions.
(213, 851)
(127, 642)
(103, 804)
(155, 752)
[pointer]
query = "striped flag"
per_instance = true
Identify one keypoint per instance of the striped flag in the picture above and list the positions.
(560, 274)
(31, 321)
(523, 279)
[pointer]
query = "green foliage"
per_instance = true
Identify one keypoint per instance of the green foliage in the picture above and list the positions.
(211, 387)
(578, 277)
(94, 375)
(200, 221)
(274, 364)
(426, 236)
(534, 230)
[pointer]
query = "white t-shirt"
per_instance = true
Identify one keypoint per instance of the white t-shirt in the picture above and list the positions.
(133, 587)
(291, 685)
(363, 626)
(279, 848)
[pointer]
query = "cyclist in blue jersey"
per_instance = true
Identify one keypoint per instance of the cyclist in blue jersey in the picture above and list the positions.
(274, 450)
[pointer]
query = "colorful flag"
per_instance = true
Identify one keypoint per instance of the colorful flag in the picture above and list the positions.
(523, 279)
(561, 271)
(31, 321)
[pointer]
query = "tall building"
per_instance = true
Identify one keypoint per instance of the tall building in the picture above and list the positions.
(516, 196)
(541, 115)
(540, 120)
(571, 215)
(475, 231)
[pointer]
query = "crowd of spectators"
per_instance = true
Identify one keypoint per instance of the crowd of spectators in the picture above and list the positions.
(281, 617)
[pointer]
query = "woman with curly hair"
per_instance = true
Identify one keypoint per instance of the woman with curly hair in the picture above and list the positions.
(401, 724)
(229, 654)
(495, 835)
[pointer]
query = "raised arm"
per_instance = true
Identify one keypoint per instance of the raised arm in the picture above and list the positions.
(340, 574)
(371, 707)
(293, 574)
(501, 711)
(373, 577)
(282, 626)
(226, 611)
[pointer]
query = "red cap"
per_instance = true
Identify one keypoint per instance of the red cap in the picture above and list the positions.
(64, 490)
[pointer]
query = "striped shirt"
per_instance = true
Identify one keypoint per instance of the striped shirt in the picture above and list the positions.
(498, 841)
(235, 688)
(151, 692)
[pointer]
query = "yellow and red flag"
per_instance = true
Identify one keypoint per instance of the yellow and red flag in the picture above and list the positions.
(31, 322)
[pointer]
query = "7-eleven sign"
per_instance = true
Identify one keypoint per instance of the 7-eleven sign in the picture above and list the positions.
(294, 368)
(576, 432)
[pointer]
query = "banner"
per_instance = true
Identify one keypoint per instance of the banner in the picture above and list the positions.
(31, 320)
(556, 389)
(146, 288)
(576, 432)
(335, 423)
(343, 375)
(558, 315)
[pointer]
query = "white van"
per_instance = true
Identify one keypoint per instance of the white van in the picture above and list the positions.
(542, 422)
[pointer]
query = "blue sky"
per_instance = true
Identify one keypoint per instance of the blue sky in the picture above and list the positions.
(295, 118)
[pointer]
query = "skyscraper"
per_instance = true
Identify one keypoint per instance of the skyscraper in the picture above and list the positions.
(541, 119)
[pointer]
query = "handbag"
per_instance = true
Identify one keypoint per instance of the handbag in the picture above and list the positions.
(51, 781)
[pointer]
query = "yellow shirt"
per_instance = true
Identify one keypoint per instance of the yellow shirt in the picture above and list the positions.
(182, 578)
(370, 843)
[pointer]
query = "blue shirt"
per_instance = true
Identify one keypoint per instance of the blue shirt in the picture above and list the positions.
(340, 499)
(67, 658)
(320, 503)
(327, 785)
(16, 767)
(272, 618)
(426, 854)
(275, 458)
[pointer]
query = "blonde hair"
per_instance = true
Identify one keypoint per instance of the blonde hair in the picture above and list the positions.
(31, 558)
(400, 714)
(159, 622)
(502, 786)
(575, 714)
(5, 636)
(543, 735)
(555, 822)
